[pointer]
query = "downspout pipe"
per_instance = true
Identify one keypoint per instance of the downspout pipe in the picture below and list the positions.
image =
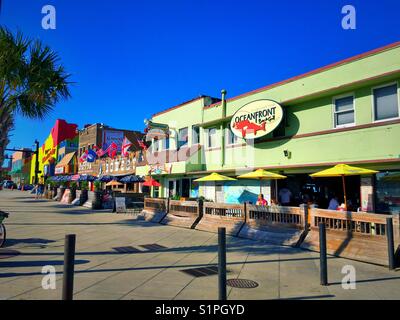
(223, 105)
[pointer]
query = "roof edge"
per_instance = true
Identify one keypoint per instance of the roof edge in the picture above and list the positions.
(313, 72)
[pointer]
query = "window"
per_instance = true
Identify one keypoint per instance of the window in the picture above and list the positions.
(183, 137)
(231, 138)
(280, 131)
(387, 193)
(156, 145)
(166, 143)
(386, 103)
(195, 135)
(212, 138)
(344, 111)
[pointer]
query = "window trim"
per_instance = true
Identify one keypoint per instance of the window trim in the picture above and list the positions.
(208, 137)
(227, 142)
(192, 135)
(334, 112)
(373, 101)
(178, 146)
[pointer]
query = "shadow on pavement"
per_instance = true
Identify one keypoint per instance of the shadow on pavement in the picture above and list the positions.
(310, 297)
(40, 263)
(13, 242)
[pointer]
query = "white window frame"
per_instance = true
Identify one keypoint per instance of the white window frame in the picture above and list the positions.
(156, 145)
(178, 141)
(334, 112)
(373, 101)
(208, 137)
(228, 131)
(192, 135)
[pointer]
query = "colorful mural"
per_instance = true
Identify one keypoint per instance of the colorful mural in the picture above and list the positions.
(236, 192)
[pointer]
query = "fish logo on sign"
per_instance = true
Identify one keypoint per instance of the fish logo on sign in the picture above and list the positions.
(256, 119)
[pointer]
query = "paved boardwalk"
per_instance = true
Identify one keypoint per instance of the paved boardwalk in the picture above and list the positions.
(36, 228)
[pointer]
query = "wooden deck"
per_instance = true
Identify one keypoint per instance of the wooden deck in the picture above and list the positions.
(358, 236)
(184, 214)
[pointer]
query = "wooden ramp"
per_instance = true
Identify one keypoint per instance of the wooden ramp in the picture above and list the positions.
(183, 214)
(65, 196)
(275, 225)
(272, 235)
(90, 200)
(154, 209)
(231, 217)
(357, 236)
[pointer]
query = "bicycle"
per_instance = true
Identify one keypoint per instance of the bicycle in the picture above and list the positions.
(3, 215)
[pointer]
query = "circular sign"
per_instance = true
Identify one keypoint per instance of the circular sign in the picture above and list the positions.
(256, 119)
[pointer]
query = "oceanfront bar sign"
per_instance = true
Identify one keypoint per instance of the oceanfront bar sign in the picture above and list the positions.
(256, 119)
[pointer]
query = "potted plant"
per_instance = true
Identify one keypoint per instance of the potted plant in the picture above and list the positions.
(55, 190)
(72, 194)
(98, 201)
(84, 186)
(176, 197)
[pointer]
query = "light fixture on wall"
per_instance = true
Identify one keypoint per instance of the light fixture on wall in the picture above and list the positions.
(287, 154)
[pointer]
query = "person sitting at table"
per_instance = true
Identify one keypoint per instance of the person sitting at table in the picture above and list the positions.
(274, 203)
(333, 204)
(261, 201)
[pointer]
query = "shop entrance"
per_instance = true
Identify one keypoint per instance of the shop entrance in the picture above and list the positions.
(179, 187)
(320, 191)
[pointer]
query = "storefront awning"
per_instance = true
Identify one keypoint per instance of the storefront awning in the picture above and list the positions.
(66, 160)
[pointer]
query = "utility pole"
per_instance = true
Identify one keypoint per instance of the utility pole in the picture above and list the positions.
(36, 161)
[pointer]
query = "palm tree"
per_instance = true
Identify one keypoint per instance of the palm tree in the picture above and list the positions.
(31, 81)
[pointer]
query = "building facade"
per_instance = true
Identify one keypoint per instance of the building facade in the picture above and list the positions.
(101, 136)
(62, 134)
(347, 112)
(21, 166)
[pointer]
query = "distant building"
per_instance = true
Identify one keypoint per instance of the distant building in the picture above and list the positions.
(101, 136)
(61, 137)
(21, 166)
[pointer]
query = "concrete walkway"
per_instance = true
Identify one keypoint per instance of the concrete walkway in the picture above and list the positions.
(36, 228)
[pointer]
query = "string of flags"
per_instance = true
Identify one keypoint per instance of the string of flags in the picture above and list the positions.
(92, 154)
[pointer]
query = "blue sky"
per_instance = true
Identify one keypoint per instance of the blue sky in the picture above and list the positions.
(130, 59)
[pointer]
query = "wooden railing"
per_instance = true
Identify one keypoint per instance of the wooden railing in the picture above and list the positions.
(288, 216)
(350, 222)
(224, 210)
(183, 208)
(155, 204)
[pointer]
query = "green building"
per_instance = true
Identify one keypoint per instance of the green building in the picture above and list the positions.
(347, 112)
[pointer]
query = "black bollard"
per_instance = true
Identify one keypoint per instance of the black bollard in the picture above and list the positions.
(69, 263)
(390, 240)
(305, 208)
(222, 263)
(322, 252)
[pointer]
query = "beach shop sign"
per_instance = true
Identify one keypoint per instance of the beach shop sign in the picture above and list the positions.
(256, 119)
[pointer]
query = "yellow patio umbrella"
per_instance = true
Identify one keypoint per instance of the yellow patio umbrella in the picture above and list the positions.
(342, 170)
(214, 177)
(262, 174)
